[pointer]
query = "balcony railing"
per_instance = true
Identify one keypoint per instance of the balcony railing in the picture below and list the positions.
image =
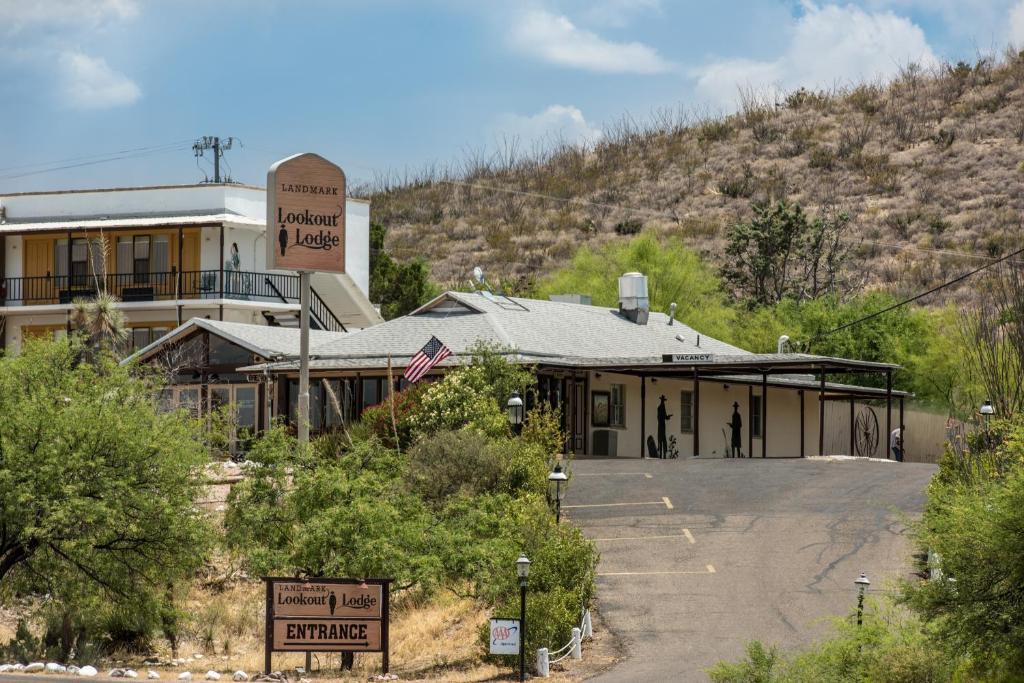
(196, 284)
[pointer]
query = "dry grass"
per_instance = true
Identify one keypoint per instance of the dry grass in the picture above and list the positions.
(434, 641)
(931, 160)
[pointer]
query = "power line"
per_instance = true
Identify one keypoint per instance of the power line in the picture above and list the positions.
(93, 156)
(914, 298)
(93, 163)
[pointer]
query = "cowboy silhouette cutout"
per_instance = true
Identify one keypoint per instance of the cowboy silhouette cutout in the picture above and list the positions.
(282, 239)
(737, 437)
(663, 418)
(332, 602)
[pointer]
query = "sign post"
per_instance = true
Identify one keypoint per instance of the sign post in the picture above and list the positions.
(305, 233)
(327, 615)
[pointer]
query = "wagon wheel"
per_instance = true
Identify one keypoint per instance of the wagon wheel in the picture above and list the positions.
(865, 429)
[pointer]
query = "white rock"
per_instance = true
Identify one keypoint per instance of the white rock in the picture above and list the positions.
(131, 673)
(212, 675)
(33, 667)
(73, 670)
(185, 676)
(240, 676)
(197, 655)
(152, 675)
(87, 671)
(54, 667)
(4, 668)
(115, 673)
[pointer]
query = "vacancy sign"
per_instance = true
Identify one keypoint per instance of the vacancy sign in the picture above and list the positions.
(504, 636)
(306, 215)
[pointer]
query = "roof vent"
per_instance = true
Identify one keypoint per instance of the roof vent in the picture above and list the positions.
(582, 299)
(633, 301)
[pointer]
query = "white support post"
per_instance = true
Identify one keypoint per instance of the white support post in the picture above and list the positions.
(577, 644)
(302, 417)
(588, 625)
(543, 665)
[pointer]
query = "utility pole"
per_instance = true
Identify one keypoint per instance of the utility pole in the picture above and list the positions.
(208, 142)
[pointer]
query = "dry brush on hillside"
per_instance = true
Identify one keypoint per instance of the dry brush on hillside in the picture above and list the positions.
(928, 165)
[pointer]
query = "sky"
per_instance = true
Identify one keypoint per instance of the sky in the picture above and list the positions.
(112, 93)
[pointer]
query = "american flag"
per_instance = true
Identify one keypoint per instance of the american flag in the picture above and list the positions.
(430, 355)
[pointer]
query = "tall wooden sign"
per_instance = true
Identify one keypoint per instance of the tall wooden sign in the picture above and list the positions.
(306, 215)
(327, 615)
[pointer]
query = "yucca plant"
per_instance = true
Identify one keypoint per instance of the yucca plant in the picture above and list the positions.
(100, 322)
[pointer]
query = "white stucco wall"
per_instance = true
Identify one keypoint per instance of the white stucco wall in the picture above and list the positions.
(716, 399)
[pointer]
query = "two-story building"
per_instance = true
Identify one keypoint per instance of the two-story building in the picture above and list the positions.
(169, 253)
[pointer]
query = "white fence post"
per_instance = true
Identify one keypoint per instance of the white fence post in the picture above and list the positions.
(542, 662)
(577, 650)
(588, 625)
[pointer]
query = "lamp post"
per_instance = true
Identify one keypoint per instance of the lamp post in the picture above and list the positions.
(515, 412)
(557, 476)
(523, 572)
(862, 584)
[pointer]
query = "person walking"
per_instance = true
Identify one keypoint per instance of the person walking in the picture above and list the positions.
(663, 418)
(896, 444)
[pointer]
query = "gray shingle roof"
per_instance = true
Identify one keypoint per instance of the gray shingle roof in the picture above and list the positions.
(263, 340)
(530, 326)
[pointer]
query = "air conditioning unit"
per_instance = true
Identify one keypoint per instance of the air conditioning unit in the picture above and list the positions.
(606, 442)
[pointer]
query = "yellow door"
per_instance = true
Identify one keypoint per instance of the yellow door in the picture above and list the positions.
(38, 287)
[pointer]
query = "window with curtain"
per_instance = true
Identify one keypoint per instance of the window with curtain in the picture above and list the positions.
(141, 266)
(686, 412)
(60, 258)
(79, 262)
(161, 257)
(125, 255)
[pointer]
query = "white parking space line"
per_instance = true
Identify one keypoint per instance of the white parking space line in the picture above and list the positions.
(645, 475)
(707, 570)
(664, 501)
(686, 534)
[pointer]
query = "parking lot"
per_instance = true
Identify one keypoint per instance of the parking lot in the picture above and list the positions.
(700, 556)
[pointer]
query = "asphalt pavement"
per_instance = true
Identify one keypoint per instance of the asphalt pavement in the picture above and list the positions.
(700, 556)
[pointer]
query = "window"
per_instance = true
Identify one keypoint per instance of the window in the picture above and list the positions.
(144, 336)
(599, 408)
(375, 390)
(755, 416)
(140, 265)
(686, 412)
(223, 352)
(617, 417)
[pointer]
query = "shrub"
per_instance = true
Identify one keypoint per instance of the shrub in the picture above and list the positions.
(453, 463)
(463, 399)
(379, 421)
(630, 226)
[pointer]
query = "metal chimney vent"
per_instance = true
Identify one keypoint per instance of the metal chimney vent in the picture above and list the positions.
(633, 301)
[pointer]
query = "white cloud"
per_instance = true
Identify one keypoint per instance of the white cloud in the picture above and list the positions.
(828, 45)
(556, 123)
(90, 83)
(617, 13)
(555, 39)
(1015, 24)
(18, 15)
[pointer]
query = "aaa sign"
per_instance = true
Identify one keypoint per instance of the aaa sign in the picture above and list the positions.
(306, 215)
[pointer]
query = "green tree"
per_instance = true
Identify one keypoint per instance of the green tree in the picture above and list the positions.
(399, 288)
(675, 274)
(97, 488)
(781, 253)
(974, 524)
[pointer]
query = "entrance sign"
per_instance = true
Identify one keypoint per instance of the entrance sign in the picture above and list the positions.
(504, 636)
(688, 358)
(327, 615)
(306, 215)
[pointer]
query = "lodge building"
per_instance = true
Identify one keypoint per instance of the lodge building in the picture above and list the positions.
(621, 378)
(169, 253)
